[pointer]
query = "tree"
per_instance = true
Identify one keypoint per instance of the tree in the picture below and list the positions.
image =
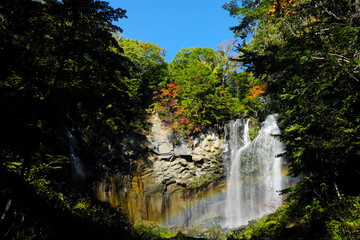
(227, 57)
(308, 52)
(149, 70)
(62, 72)
(169, 109)
(204, 94)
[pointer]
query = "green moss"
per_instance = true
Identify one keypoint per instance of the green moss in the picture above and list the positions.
(200, 182)
(205, 179)
(338, 219)
(254, 128)
(153, 231)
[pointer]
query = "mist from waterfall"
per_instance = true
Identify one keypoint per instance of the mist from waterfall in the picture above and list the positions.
(253, 172)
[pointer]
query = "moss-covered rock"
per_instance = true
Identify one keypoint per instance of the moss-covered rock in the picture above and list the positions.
(254, 128)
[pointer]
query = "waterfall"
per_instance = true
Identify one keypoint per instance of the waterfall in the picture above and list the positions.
(77, 167)
(237, 144)
(254, 172)
(167, 192)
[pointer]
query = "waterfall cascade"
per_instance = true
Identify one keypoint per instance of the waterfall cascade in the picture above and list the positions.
(253, 172)
(77, 167)
(179, 188)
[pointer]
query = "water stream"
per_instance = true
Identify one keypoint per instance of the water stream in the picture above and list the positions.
(254, 172)
(77, 167)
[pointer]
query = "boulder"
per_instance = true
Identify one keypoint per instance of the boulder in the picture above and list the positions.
(165, 148)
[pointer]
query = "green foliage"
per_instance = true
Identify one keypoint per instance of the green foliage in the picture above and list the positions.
(149, 70)
(64, 71)
(203, 96)
(36, 209)
(338, 219)
(209, 90)
(254, 128)
(203, 181)
(153, 231)
(312, 78)
(248, 12)
(307, 54)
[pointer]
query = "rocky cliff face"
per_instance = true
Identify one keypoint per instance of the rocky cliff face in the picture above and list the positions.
(174, 185)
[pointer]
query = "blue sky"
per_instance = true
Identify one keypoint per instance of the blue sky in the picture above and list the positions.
(176, 24)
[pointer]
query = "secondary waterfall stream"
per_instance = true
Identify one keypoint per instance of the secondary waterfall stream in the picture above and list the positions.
(254, 172)
(77, 167)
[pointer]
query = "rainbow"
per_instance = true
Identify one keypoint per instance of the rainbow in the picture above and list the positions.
(212, 195)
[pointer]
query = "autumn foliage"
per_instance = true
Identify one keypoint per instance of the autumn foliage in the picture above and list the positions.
(170, 110)
(282, 5)
(255, 91)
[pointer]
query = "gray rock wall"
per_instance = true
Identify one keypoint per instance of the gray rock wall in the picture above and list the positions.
(177, 174)
(188, 163)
